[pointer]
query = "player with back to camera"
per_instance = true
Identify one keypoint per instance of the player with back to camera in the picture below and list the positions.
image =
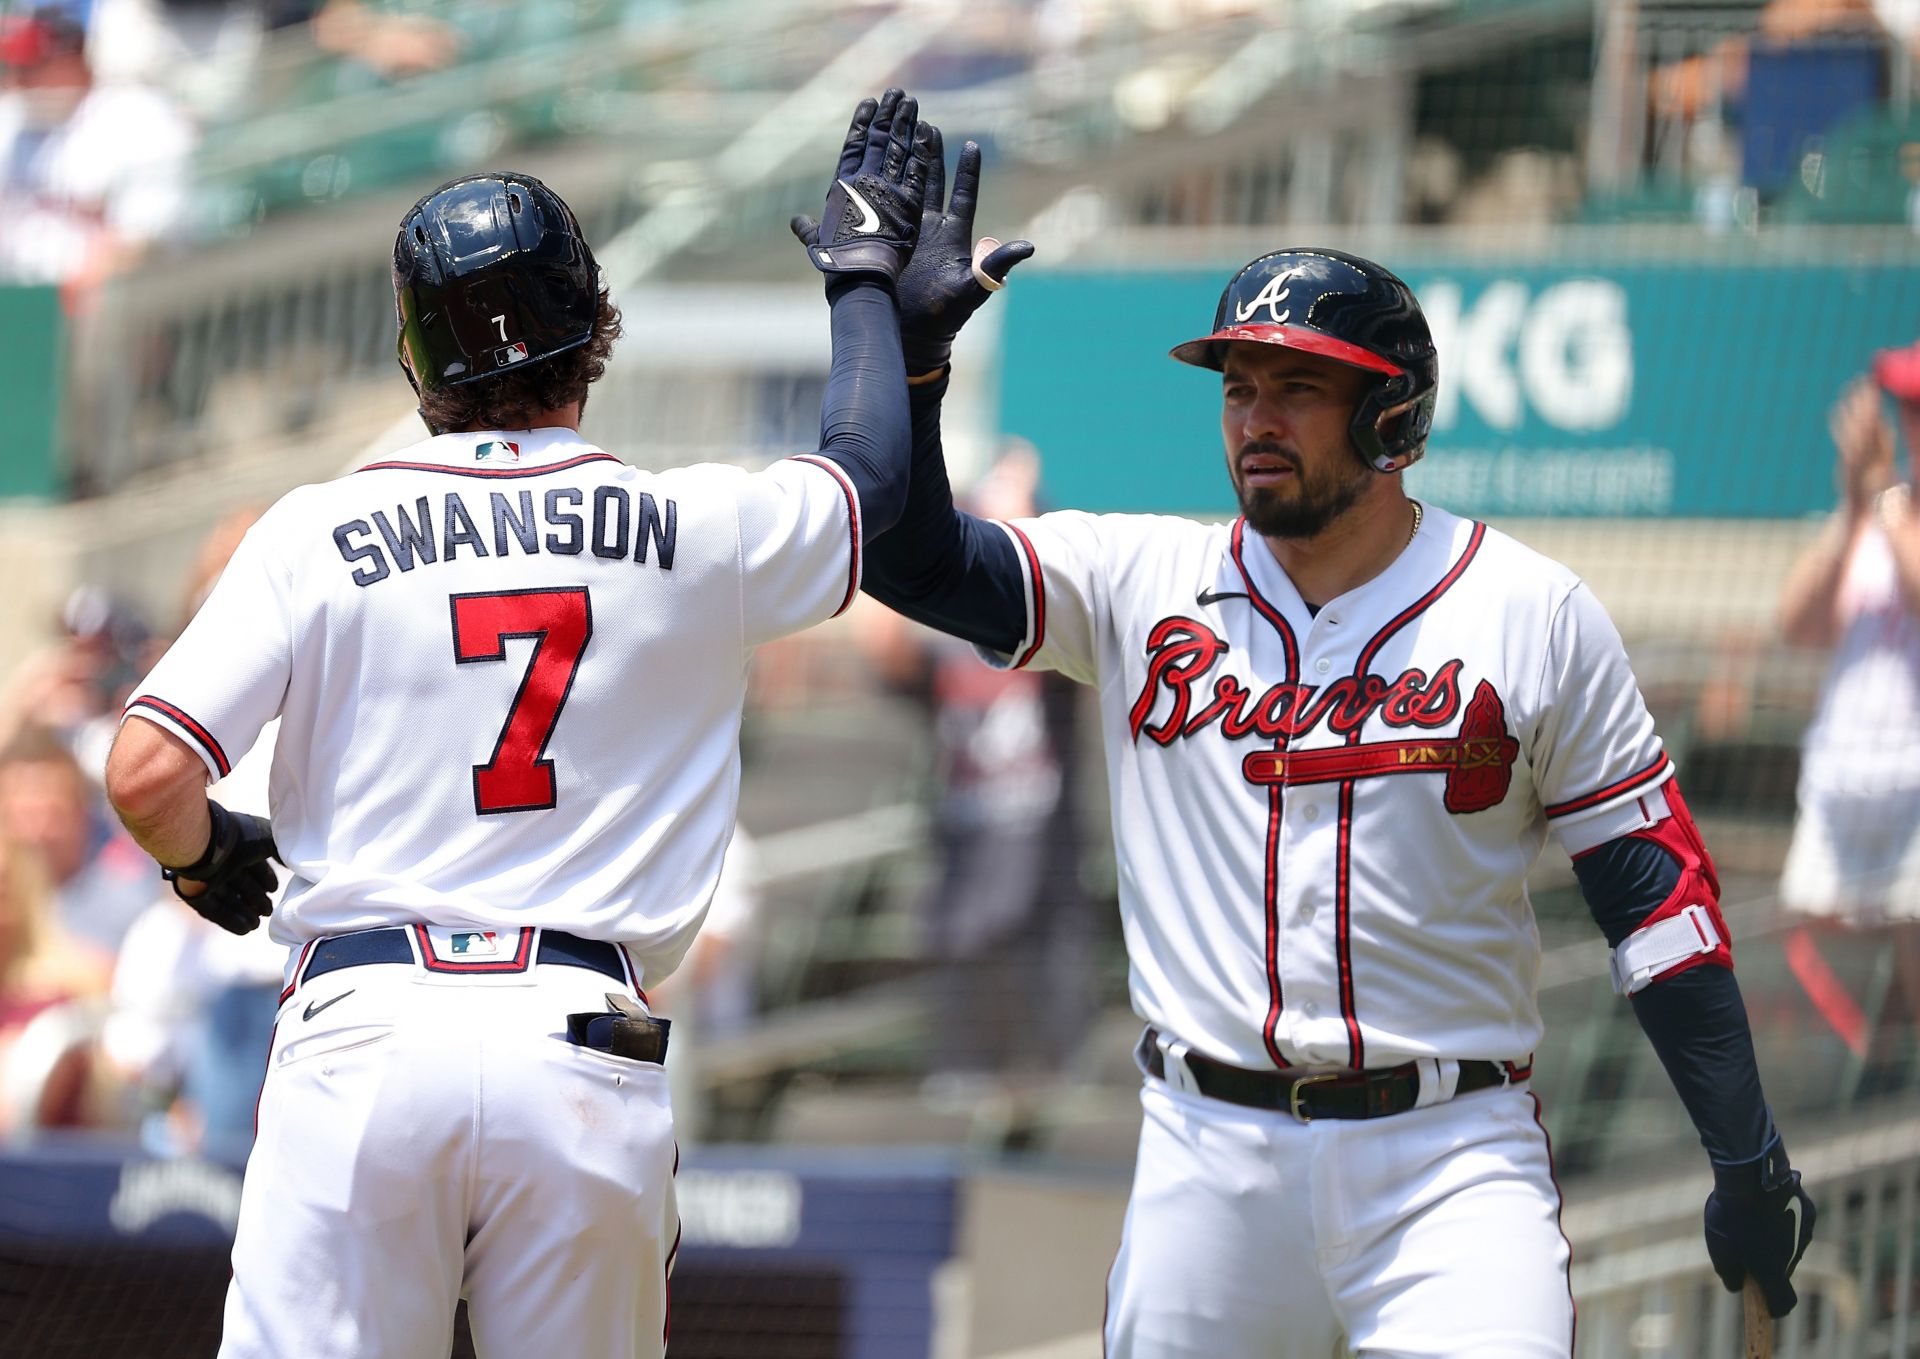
(510, 672)
(1339, 731)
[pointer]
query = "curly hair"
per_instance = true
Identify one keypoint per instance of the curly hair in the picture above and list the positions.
(512, 400)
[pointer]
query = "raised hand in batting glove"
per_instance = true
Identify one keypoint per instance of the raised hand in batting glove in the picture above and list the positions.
(873, 209)
(1759, 1221)
(949, 276)
(235, 885)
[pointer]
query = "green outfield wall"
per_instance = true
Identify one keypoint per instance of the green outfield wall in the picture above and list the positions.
(1642, 390)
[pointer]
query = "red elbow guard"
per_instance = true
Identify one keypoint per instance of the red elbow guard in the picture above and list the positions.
(1686, 930)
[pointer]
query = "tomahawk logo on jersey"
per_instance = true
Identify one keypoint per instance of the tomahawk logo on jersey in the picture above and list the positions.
(1378, 776)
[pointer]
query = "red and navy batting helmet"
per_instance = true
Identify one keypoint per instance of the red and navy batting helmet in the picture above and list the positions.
(490, 272)
(1344, 308)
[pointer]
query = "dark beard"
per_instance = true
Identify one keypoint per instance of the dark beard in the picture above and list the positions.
(1306, 515)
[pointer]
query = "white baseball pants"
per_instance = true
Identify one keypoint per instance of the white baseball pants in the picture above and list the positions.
(1433, 1232)
(424, 1138)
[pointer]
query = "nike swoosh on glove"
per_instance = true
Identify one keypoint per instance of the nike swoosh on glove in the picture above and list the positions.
(237, 886)
(1759, 1221)
(872, 214)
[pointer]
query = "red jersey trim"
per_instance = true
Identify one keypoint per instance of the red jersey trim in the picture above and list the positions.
(1613, 790)
(1261, 604)
(1269, 1030)
(1343, 853)
(299, 966)
(853, 523)
(180, 717)
(1559, 1206)
(491, 472)
(1038, 582)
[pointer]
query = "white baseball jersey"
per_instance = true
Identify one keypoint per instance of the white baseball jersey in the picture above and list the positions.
(510, 670)
(1324, 822)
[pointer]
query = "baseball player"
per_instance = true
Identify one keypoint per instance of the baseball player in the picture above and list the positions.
(1339, 730)
(509, 671)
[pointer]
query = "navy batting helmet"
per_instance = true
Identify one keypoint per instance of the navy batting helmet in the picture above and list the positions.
(1344, 308)
(490, 272)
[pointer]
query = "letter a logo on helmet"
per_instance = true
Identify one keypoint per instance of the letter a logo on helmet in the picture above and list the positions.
(1272, 293)
(1347, 309)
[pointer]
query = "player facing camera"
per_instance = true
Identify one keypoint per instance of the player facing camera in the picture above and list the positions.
(1329, 375)
(1340, 730)
(503, 322)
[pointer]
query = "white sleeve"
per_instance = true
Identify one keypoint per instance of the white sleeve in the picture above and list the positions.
(1063, 556)
(799, 546)
(225, 677)
(1594, 749)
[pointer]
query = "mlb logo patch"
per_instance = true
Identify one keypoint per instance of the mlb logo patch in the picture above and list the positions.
(512, 354)
(497, 450)
(475, 942)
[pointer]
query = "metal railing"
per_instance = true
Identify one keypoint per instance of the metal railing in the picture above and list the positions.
(1641, 1279)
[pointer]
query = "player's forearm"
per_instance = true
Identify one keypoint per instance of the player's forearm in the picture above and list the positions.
(1690, 1008)
(1697, 1023)
(942, 567)
(864, 424)
(158, 789)
(1809, 604)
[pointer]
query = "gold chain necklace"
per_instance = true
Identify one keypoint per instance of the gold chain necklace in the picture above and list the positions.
(1418, 511)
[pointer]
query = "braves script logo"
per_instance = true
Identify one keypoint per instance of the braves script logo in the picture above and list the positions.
(1478, 763)
(1272, 293)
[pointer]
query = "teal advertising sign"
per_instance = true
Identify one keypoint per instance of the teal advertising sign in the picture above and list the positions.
(30, 388)
(1630, 390)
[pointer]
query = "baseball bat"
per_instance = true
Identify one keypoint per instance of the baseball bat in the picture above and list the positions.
(1753, 1304)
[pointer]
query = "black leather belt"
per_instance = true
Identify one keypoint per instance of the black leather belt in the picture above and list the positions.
(1311, 1095)
(392, 946)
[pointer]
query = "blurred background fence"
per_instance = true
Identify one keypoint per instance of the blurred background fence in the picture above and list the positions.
(1657, 241)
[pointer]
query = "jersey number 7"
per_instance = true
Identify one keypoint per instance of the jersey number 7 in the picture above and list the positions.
(518, 778)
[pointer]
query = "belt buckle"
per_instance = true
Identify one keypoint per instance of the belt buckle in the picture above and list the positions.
(1301, 1083)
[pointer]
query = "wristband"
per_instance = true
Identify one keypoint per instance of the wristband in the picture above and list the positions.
(213, 855)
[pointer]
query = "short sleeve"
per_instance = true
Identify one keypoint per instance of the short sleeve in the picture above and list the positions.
(1062, 556)
(1594, 747)
(226, 676)
(799, 546)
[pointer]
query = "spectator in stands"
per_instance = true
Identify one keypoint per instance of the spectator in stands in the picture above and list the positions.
(1855, 855)
(43, 1067)
(94, 174)
(76, 685)
(393, 41)
(1006, 921)
(100, 879)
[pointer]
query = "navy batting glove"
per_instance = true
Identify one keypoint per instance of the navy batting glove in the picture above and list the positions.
(873, 210)
(944, 283)
(1759, 1221)
(236, 884)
